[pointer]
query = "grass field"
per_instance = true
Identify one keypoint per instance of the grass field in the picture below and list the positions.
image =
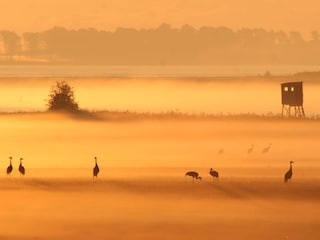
(143, 154)
(159, 208)
(141, 191)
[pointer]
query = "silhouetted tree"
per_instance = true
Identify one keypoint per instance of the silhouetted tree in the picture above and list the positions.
(62, 98)
(11, 42)
(34, 45)
(163, 45)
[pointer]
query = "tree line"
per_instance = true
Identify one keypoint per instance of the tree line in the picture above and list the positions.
(163, 45)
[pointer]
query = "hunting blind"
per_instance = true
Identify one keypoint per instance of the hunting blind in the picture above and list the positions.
(292, 98)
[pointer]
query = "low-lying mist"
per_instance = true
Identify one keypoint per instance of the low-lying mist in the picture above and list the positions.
(188, 95)
(142, 192)
(48, 140)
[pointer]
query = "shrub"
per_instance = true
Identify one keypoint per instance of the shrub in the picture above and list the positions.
(62, 97)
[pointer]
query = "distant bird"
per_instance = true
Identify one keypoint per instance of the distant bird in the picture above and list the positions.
(21, 168)
(9, 168)
(266, 149)
(214, 173)
(250, 150)
(221, 151)
(96, 169)
(193, 175)
(288, 174)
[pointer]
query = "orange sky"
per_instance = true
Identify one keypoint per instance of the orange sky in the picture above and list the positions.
(37, 15)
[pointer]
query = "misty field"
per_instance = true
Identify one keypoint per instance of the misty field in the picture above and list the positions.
(142, 192)
(212, 95)
(158, 209)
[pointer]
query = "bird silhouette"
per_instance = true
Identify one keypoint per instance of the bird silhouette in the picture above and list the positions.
(214, 173)
(21, 168)
(266, 149)
(96, 169)
(221, 151)
(250, 150)
(288, 174)
(9, 168)
(194, 175)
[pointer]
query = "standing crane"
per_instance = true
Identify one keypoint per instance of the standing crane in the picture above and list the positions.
(266, 149)
(96, 169)
(214, 173)
(288, 174)
(194, 175)
(9, 168)
(250, 150)
(21, 168)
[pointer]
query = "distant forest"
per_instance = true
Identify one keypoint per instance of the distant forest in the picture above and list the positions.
(163, 45)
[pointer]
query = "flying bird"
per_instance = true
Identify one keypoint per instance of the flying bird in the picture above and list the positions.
(288, 174)
(9, 168)
(96, 169)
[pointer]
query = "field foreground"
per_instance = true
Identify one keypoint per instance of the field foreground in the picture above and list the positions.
(158, 208)
(142, 193)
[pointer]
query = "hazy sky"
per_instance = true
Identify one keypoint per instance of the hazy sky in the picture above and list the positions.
(37, 15)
